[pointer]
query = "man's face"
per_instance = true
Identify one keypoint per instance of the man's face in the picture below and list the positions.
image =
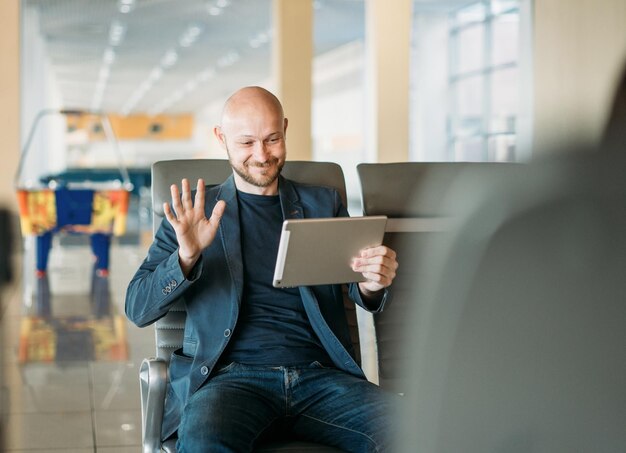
(254, 137)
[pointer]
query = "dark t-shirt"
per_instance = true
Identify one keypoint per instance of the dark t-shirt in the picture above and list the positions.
(273, 328)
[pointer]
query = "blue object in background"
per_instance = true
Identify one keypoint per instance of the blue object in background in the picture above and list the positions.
(74, 206)
(139, 177)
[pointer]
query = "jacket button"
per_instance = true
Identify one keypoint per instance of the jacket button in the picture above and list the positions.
(204, 370)
(227, 333)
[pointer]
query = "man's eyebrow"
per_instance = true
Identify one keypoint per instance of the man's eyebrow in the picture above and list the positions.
(249, 136)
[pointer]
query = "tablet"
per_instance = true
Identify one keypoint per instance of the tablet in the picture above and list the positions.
(320, 251)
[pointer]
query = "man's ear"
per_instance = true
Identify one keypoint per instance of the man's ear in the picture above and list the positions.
(285, 127)
(217, 131)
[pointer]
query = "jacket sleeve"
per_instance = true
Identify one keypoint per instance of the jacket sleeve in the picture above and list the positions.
(159, 282)
(371, 306)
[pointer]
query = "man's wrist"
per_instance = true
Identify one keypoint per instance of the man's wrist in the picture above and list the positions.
(187, 263)
(369, 294)
(371, 299)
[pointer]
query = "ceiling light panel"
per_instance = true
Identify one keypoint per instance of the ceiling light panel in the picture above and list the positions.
(215, 55)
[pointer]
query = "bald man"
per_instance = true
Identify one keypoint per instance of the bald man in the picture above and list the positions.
(258, 360)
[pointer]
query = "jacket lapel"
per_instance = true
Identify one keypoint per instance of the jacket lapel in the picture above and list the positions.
(230, 234)
(289, 200)
(230, 230)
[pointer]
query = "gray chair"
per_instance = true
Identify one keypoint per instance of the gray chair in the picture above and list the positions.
(169, 329)
(519, 344)
(416, 217)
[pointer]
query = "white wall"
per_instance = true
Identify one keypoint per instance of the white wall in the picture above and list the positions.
(338, 117)
(429, 88)
(39, 91)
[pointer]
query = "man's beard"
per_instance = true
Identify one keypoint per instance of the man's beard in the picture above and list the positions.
(273, 168)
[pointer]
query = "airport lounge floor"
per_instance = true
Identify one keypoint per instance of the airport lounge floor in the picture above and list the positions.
(71, 384)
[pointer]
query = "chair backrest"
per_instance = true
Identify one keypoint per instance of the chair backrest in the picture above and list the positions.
(416, 217)
(520, 345)
(169, 329)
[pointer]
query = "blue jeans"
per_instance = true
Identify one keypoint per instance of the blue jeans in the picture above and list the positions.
(243, 405)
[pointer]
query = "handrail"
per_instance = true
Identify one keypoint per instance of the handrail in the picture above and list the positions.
(108, 132)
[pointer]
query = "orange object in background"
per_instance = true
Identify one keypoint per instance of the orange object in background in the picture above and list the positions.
(103, 339)
(134, 127)
(37, 211)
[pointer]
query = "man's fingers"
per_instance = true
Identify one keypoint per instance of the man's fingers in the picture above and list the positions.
(199, 201)
(186, 198)
(169, 215)
(218, 212)
(176, 204)
(374, 267)
(377, 260)
(382, 280)
(381, 250)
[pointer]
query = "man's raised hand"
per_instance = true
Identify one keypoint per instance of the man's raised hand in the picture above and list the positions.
(194, 231)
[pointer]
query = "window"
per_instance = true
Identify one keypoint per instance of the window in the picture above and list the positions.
(484, 81)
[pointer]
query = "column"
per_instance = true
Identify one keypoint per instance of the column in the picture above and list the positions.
(388, 41)
(10, 96)
(579, 49)
(292, 65)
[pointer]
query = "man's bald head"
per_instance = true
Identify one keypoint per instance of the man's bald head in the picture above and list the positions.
(252, 97)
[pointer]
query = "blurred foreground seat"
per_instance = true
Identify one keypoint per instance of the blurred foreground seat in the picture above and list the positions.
(520, 342)
(413, 197)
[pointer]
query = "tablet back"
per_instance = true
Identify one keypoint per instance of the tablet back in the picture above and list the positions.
(319, 251)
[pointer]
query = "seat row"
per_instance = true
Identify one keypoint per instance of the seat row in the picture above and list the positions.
(414, 216)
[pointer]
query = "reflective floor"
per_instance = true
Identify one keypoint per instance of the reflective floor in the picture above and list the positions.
(70, 380)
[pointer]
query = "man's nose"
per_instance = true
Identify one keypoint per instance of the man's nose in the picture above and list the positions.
(260, 151)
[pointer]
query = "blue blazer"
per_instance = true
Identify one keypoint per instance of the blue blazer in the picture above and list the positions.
(212, 292)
